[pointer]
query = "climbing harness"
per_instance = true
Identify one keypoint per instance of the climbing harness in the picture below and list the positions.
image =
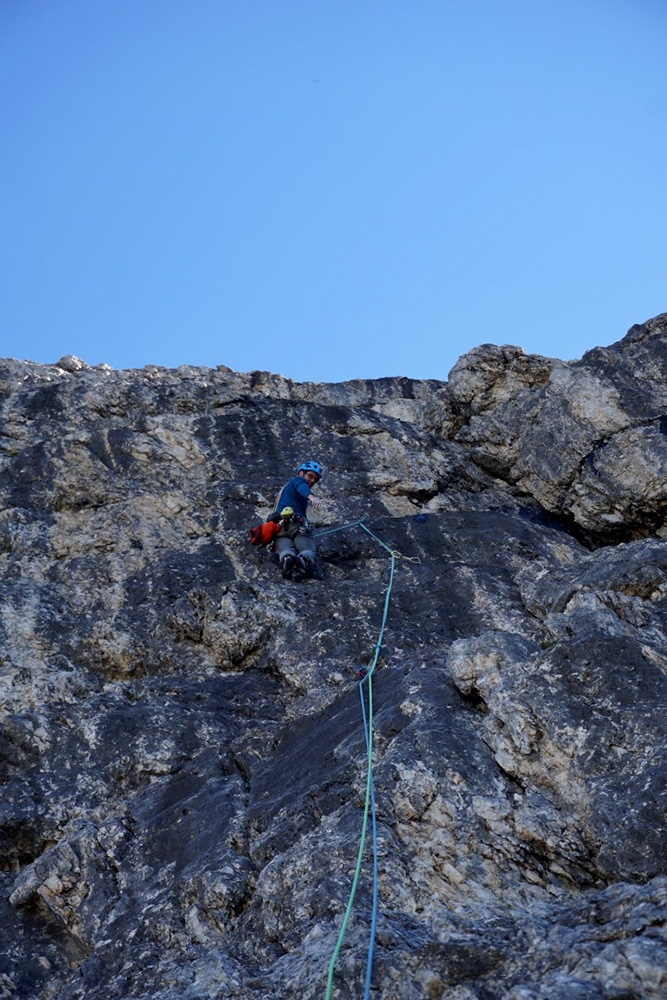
(366, 687)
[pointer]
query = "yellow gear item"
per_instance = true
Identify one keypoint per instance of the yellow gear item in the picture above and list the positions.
(287, 512)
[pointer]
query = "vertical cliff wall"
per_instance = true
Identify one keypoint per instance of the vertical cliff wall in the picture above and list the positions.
(182, 754)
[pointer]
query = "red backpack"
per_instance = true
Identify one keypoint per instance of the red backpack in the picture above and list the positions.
(263, 534)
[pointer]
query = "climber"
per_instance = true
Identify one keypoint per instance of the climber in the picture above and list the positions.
(294, 543)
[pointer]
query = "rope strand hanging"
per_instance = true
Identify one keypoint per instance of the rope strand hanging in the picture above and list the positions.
(366, 685)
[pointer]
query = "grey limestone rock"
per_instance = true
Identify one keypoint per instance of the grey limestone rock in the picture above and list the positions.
(182, 753)
(70, 363)
(585, 438)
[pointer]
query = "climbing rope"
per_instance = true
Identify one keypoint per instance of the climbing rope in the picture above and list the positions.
(374, 909)
(339, 527)
(361, 524)
(365, 684)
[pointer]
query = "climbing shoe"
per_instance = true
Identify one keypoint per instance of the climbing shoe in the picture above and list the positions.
(286, 567)
(305, 565)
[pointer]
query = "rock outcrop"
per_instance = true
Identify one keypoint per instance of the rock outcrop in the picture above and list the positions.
(182, 753)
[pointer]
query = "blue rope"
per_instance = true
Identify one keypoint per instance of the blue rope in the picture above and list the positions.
(367, 716)
(369, 745)
(374, 912)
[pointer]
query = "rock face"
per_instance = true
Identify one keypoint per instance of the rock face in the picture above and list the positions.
(182, 752)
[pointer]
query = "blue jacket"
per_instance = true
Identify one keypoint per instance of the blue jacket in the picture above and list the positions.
(295, 494)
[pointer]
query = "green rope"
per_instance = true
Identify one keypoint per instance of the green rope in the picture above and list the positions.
(340, 527)
(369, 770)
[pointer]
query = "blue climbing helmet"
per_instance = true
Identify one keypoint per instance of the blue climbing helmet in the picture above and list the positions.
(311, 467)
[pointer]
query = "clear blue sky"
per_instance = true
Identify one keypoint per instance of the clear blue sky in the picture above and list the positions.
(329, 189)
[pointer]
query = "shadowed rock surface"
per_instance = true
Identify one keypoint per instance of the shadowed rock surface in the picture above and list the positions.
(182, 754)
